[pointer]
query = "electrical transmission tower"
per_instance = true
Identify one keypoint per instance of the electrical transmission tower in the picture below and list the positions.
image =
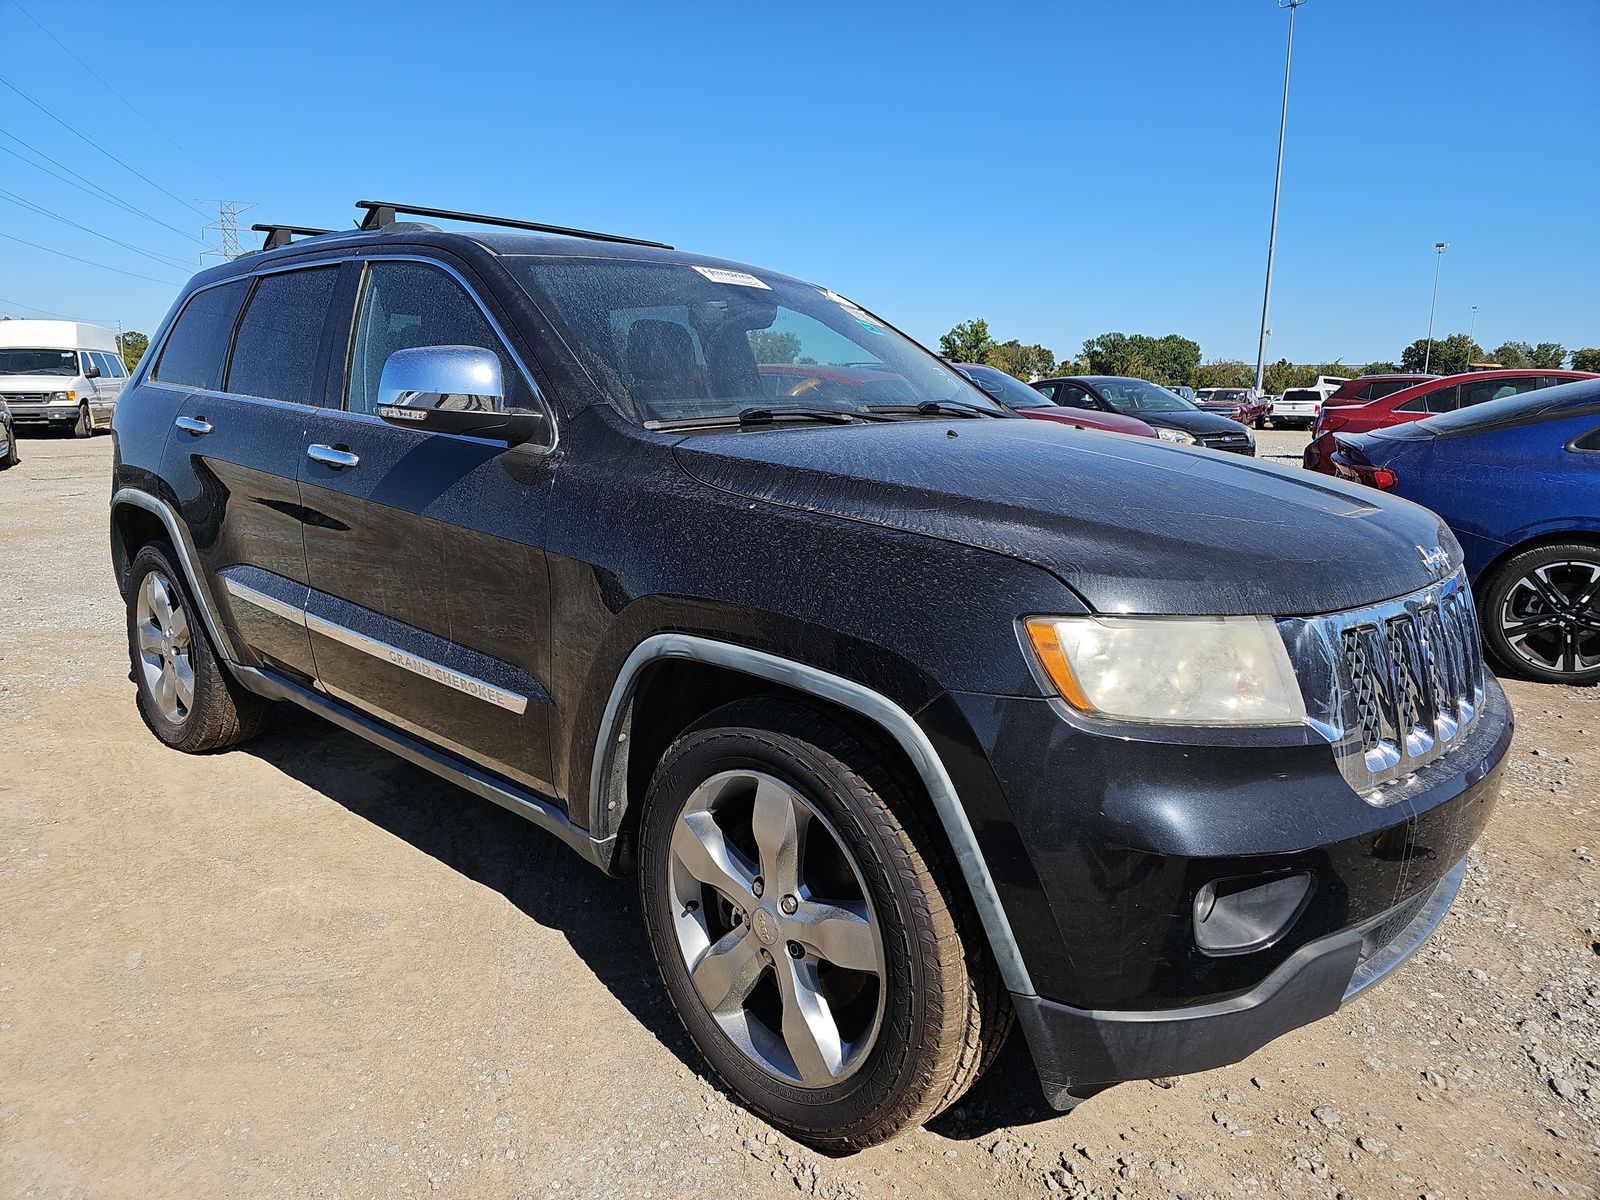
(227, 229)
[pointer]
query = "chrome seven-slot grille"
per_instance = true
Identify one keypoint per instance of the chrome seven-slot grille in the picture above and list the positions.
(1397, 684)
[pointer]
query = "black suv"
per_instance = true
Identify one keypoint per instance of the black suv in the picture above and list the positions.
(909, 715)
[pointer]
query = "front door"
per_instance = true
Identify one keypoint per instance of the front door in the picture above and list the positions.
(428, 604)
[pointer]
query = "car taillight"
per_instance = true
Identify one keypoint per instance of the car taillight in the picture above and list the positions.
(1382, 478)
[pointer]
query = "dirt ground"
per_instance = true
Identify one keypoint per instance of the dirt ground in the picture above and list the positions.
(305, 968)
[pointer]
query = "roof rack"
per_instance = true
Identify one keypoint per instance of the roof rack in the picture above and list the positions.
(282, 235)
(384, 212)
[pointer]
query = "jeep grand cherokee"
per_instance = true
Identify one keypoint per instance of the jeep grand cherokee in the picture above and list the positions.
(910, 717)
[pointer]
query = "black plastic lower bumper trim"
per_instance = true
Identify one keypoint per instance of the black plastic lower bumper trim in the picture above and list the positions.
(1079, 1048)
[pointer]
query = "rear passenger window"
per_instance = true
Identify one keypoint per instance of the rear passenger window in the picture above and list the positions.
(275, 350)
(1483, 390)
(1437, 401)
(118, 370)
(405, 305)
(199, 340)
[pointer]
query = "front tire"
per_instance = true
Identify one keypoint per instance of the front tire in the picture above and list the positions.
(12, 458)
(185, 694)
(808, 928)
(84, 426)
(1540, 613)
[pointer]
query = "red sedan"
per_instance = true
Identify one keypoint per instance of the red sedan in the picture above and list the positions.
(1423, 400)
(1015, 394)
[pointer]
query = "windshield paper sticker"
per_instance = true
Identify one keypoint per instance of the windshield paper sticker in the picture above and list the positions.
(741, 278)
(863, 318)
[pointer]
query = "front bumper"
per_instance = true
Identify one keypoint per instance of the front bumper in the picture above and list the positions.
(1076, 1048)
(1111, 840)
(63, 412)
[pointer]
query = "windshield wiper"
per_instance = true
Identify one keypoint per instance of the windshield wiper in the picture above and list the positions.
(756, 416)
(939, 408)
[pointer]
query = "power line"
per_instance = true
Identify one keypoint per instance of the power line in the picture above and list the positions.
(89, 261)
(164, 259)
(68, 125)
(87, 186)
(62, 316)
(17, 4)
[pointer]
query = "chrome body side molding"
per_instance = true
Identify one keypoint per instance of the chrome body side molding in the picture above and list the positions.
(607, 770)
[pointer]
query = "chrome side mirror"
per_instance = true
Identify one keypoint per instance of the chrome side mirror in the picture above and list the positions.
(452, 389)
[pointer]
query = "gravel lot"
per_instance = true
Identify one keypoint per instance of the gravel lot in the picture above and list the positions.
(305, 968)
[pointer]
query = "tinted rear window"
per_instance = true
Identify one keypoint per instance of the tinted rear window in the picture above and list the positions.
(1378, 389)
(275, 351)
(199, 340)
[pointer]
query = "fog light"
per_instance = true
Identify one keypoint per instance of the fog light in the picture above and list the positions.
(1235, 916)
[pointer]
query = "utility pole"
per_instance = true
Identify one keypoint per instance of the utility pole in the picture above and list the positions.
(227, 228)
(1438, 257)
(1472, 326)
(1277, 186)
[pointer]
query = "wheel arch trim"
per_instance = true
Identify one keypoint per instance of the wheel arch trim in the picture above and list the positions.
(137, 498)
(607, 789)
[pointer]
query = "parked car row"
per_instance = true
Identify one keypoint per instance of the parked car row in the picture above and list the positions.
(1375, 402)
(1517, 479)
(910, 717)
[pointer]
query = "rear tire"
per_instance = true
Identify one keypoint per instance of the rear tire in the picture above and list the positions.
(1540, 612)
(899, 1050)
(185, 694)
(12, 458)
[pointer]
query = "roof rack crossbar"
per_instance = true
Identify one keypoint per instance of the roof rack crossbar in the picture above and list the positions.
(382, 212)
(282, 235)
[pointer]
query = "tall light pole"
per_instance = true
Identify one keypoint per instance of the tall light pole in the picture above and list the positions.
(1472, 325)
(1277, 186)
(1438, 257)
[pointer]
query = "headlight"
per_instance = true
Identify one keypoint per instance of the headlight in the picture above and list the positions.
(60, 397)
(1170, 670)
(1174, 435)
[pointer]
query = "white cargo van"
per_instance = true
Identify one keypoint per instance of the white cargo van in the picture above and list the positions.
(60, 373)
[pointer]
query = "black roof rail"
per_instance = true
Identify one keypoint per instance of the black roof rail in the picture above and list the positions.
(282, 235)
(384, 212)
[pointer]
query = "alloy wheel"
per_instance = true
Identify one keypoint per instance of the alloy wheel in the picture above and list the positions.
(1550, 617)
(162, 629)
(775, 926)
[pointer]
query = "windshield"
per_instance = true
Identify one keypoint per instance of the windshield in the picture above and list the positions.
(1137, 396)
(39, 362)
(1007, 389)
(673, 341)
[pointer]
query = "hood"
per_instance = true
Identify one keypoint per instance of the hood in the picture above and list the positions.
(1090, 419)
(1194, 421)
(12, 385)
(1130, 524)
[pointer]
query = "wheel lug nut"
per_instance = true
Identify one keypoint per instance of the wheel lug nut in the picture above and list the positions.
(758, 885)
(796, 950)
(766, 957)
(788, 904)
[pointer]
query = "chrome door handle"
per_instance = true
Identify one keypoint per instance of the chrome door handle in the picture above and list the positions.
(195, 425)
(331, 456)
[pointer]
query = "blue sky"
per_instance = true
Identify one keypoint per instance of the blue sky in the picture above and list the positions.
(1062, 169)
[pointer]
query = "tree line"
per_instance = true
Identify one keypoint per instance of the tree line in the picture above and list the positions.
(1174, 361)
(1170, 360)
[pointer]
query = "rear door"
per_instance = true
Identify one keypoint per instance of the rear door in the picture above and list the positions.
(235, 454)
(428, 605)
